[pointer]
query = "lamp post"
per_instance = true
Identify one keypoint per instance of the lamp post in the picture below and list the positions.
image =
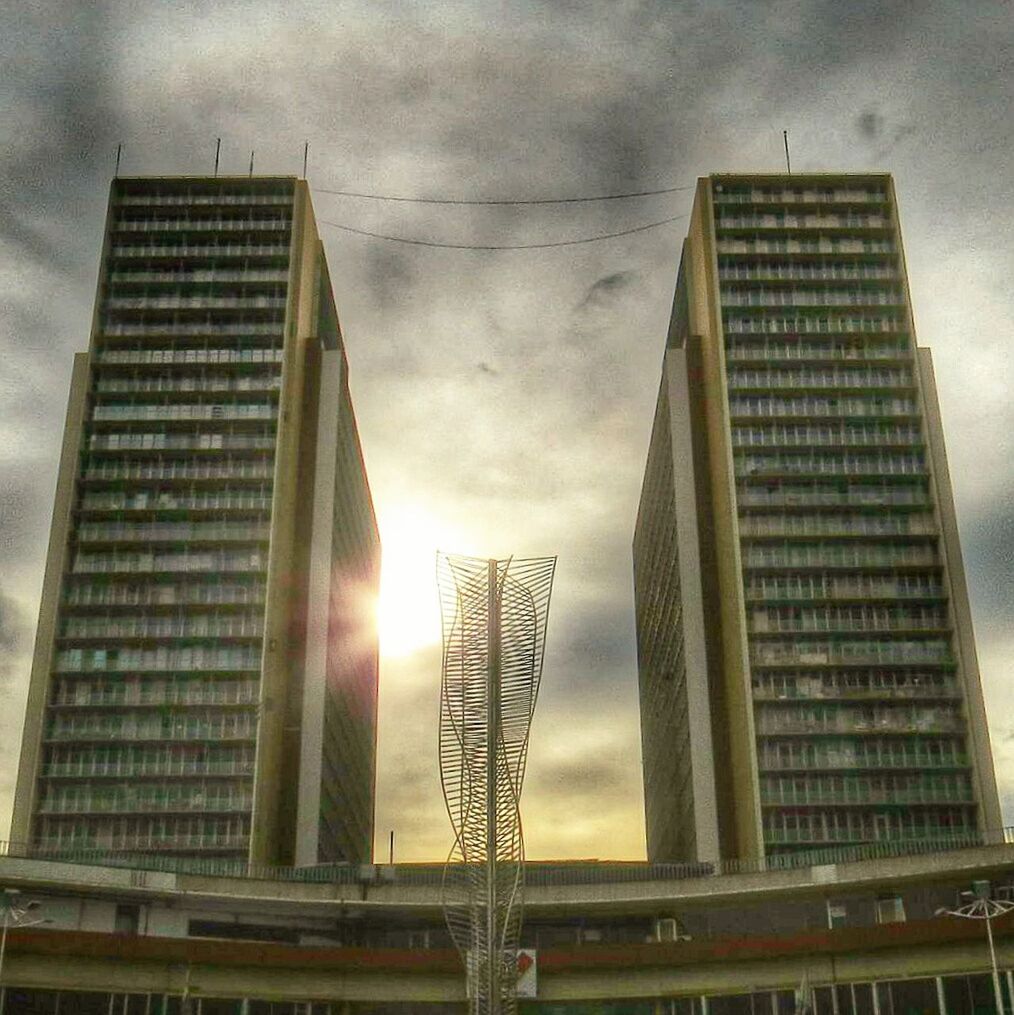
(14, 913)
(984, 908)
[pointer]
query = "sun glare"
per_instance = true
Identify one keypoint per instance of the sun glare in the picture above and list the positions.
(408, 616)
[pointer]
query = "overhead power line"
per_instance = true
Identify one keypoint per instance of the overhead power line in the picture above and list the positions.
(501, 246)
(504, 201)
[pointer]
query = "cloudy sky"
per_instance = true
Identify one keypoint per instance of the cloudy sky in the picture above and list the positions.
(505, 399)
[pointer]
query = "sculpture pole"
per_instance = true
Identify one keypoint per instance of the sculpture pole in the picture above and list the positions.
(494, 615)
(492, 737)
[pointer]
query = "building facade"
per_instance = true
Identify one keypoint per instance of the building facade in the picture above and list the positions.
(808, 674)
(865, 937)
(205, 670)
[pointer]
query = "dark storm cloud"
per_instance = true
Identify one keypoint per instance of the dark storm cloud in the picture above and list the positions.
(603, 291)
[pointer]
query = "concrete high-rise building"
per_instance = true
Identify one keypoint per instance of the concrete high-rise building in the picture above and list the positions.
(808, 675)
(205, 671)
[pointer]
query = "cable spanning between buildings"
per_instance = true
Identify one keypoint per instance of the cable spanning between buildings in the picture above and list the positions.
(501, 246)
(502, 201)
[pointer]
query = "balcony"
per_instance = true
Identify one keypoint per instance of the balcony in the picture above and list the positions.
(929, 691)
(135, 769)
(884, 725)
(172, 532)
(186, 357)
(806, 271)
(871, 760)
(723, 195)
(196, 225)
(774, 407)
(802, 380)
(143, 803)
(767, 352)
(196, 594)
(836, 526)
(817, 555)
(168, 470)
(178, 250)
(764, 298)
(862, 653)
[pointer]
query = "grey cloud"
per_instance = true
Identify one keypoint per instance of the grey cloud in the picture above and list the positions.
(604, 290)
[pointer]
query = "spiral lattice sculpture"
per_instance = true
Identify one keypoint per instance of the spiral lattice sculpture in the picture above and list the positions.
(494, 623)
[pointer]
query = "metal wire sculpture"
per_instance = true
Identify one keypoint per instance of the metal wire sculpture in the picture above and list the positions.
(494, 616)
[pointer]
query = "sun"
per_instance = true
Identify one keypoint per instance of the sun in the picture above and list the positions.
(408, 613)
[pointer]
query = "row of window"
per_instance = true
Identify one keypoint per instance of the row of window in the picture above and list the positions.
(820, 653)
(82, 593)
(838, 555)
(893, 683)
(888, 718)
(168, 301)
(816, 378)
(801, 324)
(249, 499)
(84, 798)
(260, 381)
(765, 350)
(141, 693)
(263, 441)
(859, 789)
(212, 656)
(221, 194)
(92, 726)
(193, 326)
(193, 625)
(181, 468)
(186, 560)
(731, 194)
(108, 760)
(172, 532)
(865, 826)
(176, 356)
(178, 247)
(805, 270)
(783, 220)
(848, 618)
(913, 751)
(831, 494)
(816, 434)
(773, 405)
(195, 276)
(251, 223)
(833, 464)
(767, 244)
(837, 525)
(761, 297)
(825, 586)
(174, 410)
(156, 833)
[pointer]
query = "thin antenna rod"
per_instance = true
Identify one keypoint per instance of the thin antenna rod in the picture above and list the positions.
(391, 852)
(218, 151)
(251, 163)
(119, 151)
(306, 154)
(788, 164)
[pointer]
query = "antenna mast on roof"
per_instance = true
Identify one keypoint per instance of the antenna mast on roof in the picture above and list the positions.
(788, 164)
(218, 151)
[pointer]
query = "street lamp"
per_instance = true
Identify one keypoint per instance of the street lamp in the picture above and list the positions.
(982, 907)
(14, 913)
